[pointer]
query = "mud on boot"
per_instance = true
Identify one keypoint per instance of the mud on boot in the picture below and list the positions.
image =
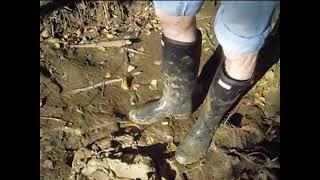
(223, 93)
(179, 67)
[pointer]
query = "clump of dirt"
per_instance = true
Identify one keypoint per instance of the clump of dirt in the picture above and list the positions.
(87, 135)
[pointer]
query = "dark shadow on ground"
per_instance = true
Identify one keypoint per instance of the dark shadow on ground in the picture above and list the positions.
(267, 57)
(47, 7)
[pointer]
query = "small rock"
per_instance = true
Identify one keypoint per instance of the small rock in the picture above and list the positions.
(121, 50)
(104, 30)
(90, 30)
(133, 100)
(154, 21)
(65, 36)
(153, 85)
(147, 32)
(157, 63)
(126, 37)
(109, 36)
(103, 143)
(130, 68)
(80, 159)
(135, 87)
(108, 75)
(103, 49)
(140, 49)
(149, 26)
(262, 99)
(47, 164)
(165, 123)
(131, 55)
(269, 75)
(206, 49)
(124, 84)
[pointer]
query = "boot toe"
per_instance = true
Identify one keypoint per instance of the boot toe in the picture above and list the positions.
(181, 159)
(184, 159)
(139, 118)
(133, 116)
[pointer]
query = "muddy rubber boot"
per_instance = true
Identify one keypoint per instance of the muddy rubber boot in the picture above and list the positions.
(179, 67)
(223, 93)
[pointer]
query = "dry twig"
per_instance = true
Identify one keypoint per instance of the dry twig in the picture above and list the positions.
(76, 91)
(116, 43)
(51, 118)
(135, 51)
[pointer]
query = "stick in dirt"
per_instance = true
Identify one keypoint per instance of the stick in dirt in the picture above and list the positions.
(76, 91)
(116, 43)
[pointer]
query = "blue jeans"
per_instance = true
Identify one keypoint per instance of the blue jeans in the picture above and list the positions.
(240, 26)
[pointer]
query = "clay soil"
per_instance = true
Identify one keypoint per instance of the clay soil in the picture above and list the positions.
(87, 134)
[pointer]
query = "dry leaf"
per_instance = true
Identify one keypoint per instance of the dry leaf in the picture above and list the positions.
(78, 32)
(45, 33)
(149, 140)
(171, 147)
(54, 42)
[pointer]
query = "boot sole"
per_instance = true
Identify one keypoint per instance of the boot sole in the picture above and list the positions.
(151, 121)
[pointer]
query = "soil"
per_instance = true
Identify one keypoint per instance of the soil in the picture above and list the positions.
(88, 135)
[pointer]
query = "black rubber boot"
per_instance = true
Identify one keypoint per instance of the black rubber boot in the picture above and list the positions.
(180, 62)
(223, 93)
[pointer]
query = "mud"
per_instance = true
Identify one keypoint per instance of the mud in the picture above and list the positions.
(88, 135)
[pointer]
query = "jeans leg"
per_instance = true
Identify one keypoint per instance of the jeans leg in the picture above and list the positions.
(242, 26)
(179, 8)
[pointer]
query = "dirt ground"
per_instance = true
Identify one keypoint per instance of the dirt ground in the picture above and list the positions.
(87, 135)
